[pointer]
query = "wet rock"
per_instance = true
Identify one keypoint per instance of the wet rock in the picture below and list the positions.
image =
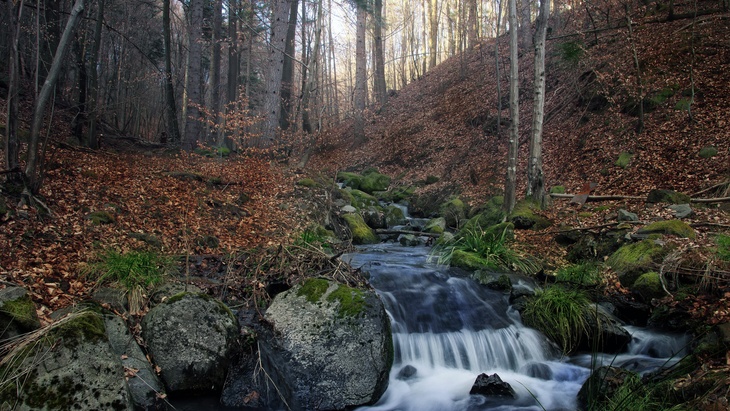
(329, 346)
(605, 332)
(492, 386)
(538, 370)
(409, 240)
(190, 337)
(406, 373)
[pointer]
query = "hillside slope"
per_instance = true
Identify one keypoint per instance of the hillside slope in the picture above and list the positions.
(444, 124)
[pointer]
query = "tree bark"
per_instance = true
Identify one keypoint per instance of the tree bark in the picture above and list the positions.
(381, 93)
(526, 25)
(510, 185)
(275, 60)
(637, 66)
(34, 162)
(360, 77)
(498, 5)
(12, 144)
(472, 32)
(433, 20)
(535, 177)
(193, 126)
(287, 78)
(309, 87)
(94, 99)
(215, 71)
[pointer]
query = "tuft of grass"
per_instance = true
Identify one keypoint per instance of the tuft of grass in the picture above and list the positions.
(488, 247)
(587, 274)
(723, 247)
(559, 314)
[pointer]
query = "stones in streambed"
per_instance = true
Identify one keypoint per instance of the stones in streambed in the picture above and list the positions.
(406, 373)
(190, 337)
(492, 386)
(361, 232)
(328, 347)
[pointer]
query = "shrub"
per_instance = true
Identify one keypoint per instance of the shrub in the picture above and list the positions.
(559, 314)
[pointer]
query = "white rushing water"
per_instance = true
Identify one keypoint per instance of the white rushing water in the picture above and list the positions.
(447, 330)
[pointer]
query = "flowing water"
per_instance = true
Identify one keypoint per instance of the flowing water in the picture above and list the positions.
(447, 330)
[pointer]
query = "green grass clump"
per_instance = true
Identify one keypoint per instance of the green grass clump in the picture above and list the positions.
(723, 247)
(588, 274)
(624, 159)
(487, 248)
(314, 237)
(559, 314)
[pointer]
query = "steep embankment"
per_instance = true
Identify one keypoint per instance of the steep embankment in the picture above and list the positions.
(445, 123)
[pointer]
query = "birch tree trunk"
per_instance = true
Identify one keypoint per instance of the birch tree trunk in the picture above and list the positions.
(193, 126)
(535, 177)
(275, 63)
(360, 77)
(510, 185)
(34, 157)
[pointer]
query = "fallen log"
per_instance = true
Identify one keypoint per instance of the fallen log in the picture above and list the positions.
(617, 197)
(418, 233)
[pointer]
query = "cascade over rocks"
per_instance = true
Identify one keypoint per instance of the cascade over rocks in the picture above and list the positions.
(190, 337)
(329, 346)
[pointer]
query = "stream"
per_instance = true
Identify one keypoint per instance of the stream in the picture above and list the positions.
(447, 330)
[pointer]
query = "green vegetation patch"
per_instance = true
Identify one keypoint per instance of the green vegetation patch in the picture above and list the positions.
(20, 311)
(361, 199)
(672, 227)
(586, 274)
(431, 179)
(571, 52)
(313, 289)
(557, 190)
(307, 182)
(723, 247)
(132, 270)
(86, 327)
(707, 152)
(351, 301)
(352, 180)
(649, 286)
(374, 181)
(454, 211)
(632, 260)
(559, 314)
(667, 196)
(361, 233)
(624, 159)
(524, 216)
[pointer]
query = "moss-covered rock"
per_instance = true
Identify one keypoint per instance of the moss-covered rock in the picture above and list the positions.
(524, 216)
(708, 152)
(453, 211)
(352, 180)
(394, 216)
(667, 196)
(624, 159)
(361, 199)
(361, 233)
(470, 261)
(671, 227)
(633, 260)
(307, 182)
(101, 217)
(17, 312)
(499, 282)
(374, 181)
(648, 286)
(435, 225)
(557, 190)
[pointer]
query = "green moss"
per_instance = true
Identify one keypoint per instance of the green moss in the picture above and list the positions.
(557, 190)
(307, 182)
(649, 286)
(524, 216)
(435, 225)
(632, 260)
(707, 152)
(454, 211)
(489, 214)
(672, 227)
(723, 247)
(624, 159)
(20, 311)
(587, 274)
(313, 289)
(667, 196)
(470, 261)
(86, 327)
(394, 216)
(351, 301)
(361, 199)
(374, 181)
(361, 233)
(101, 217)
(352, 180)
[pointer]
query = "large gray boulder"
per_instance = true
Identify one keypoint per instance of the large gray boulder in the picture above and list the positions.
(144, 386)
(329, 346)
(70, 366)
(190, 337)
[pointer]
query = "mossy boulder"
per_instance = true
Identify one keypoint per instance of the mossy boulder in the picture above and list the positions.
(453, 211)
(667, 196)
(17, 313)
(374, 217)
(361, 199)
(409, 240)
(499, 282)
(361, 232)
(374, 181)
(70, 365)
(671, 227)
(435, 225)
(470, 261)
(633, 260)
(707, 152)
(348, 179)
(649, 286)
(329, 346)
(394, 216)
(524, 216)
(624, 159)
(488, 214)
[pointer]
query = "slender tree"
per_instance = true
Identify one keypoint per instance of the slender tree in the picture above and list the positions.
(310, 85)
(94, 106)
(193, 126)
(15, 12)
(381, 94)
(360, 76)
(275, 63)
(215, 69)
(510, 185)
(287, 78)
(535, 178)
(34, 159)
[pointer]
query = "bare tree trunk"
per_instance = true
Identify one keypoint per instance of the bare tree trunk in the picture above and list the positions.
(77, 123)
(94, 99)
(381, 94)
(510, 185)
(637, 66)
(310, 85)
(34, 160)
(535, 177)
(360, 77)
(288, 69)
(333, 61)
(472, 34)
(433, 19)
(12, 145)
(272, 99)
(193, 126)
(498, 5)
(215, 69)
(526, 25)
(233, 68)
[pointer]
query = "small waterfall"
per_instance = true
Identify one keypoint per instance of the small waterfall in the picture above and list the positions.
(448, 329)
